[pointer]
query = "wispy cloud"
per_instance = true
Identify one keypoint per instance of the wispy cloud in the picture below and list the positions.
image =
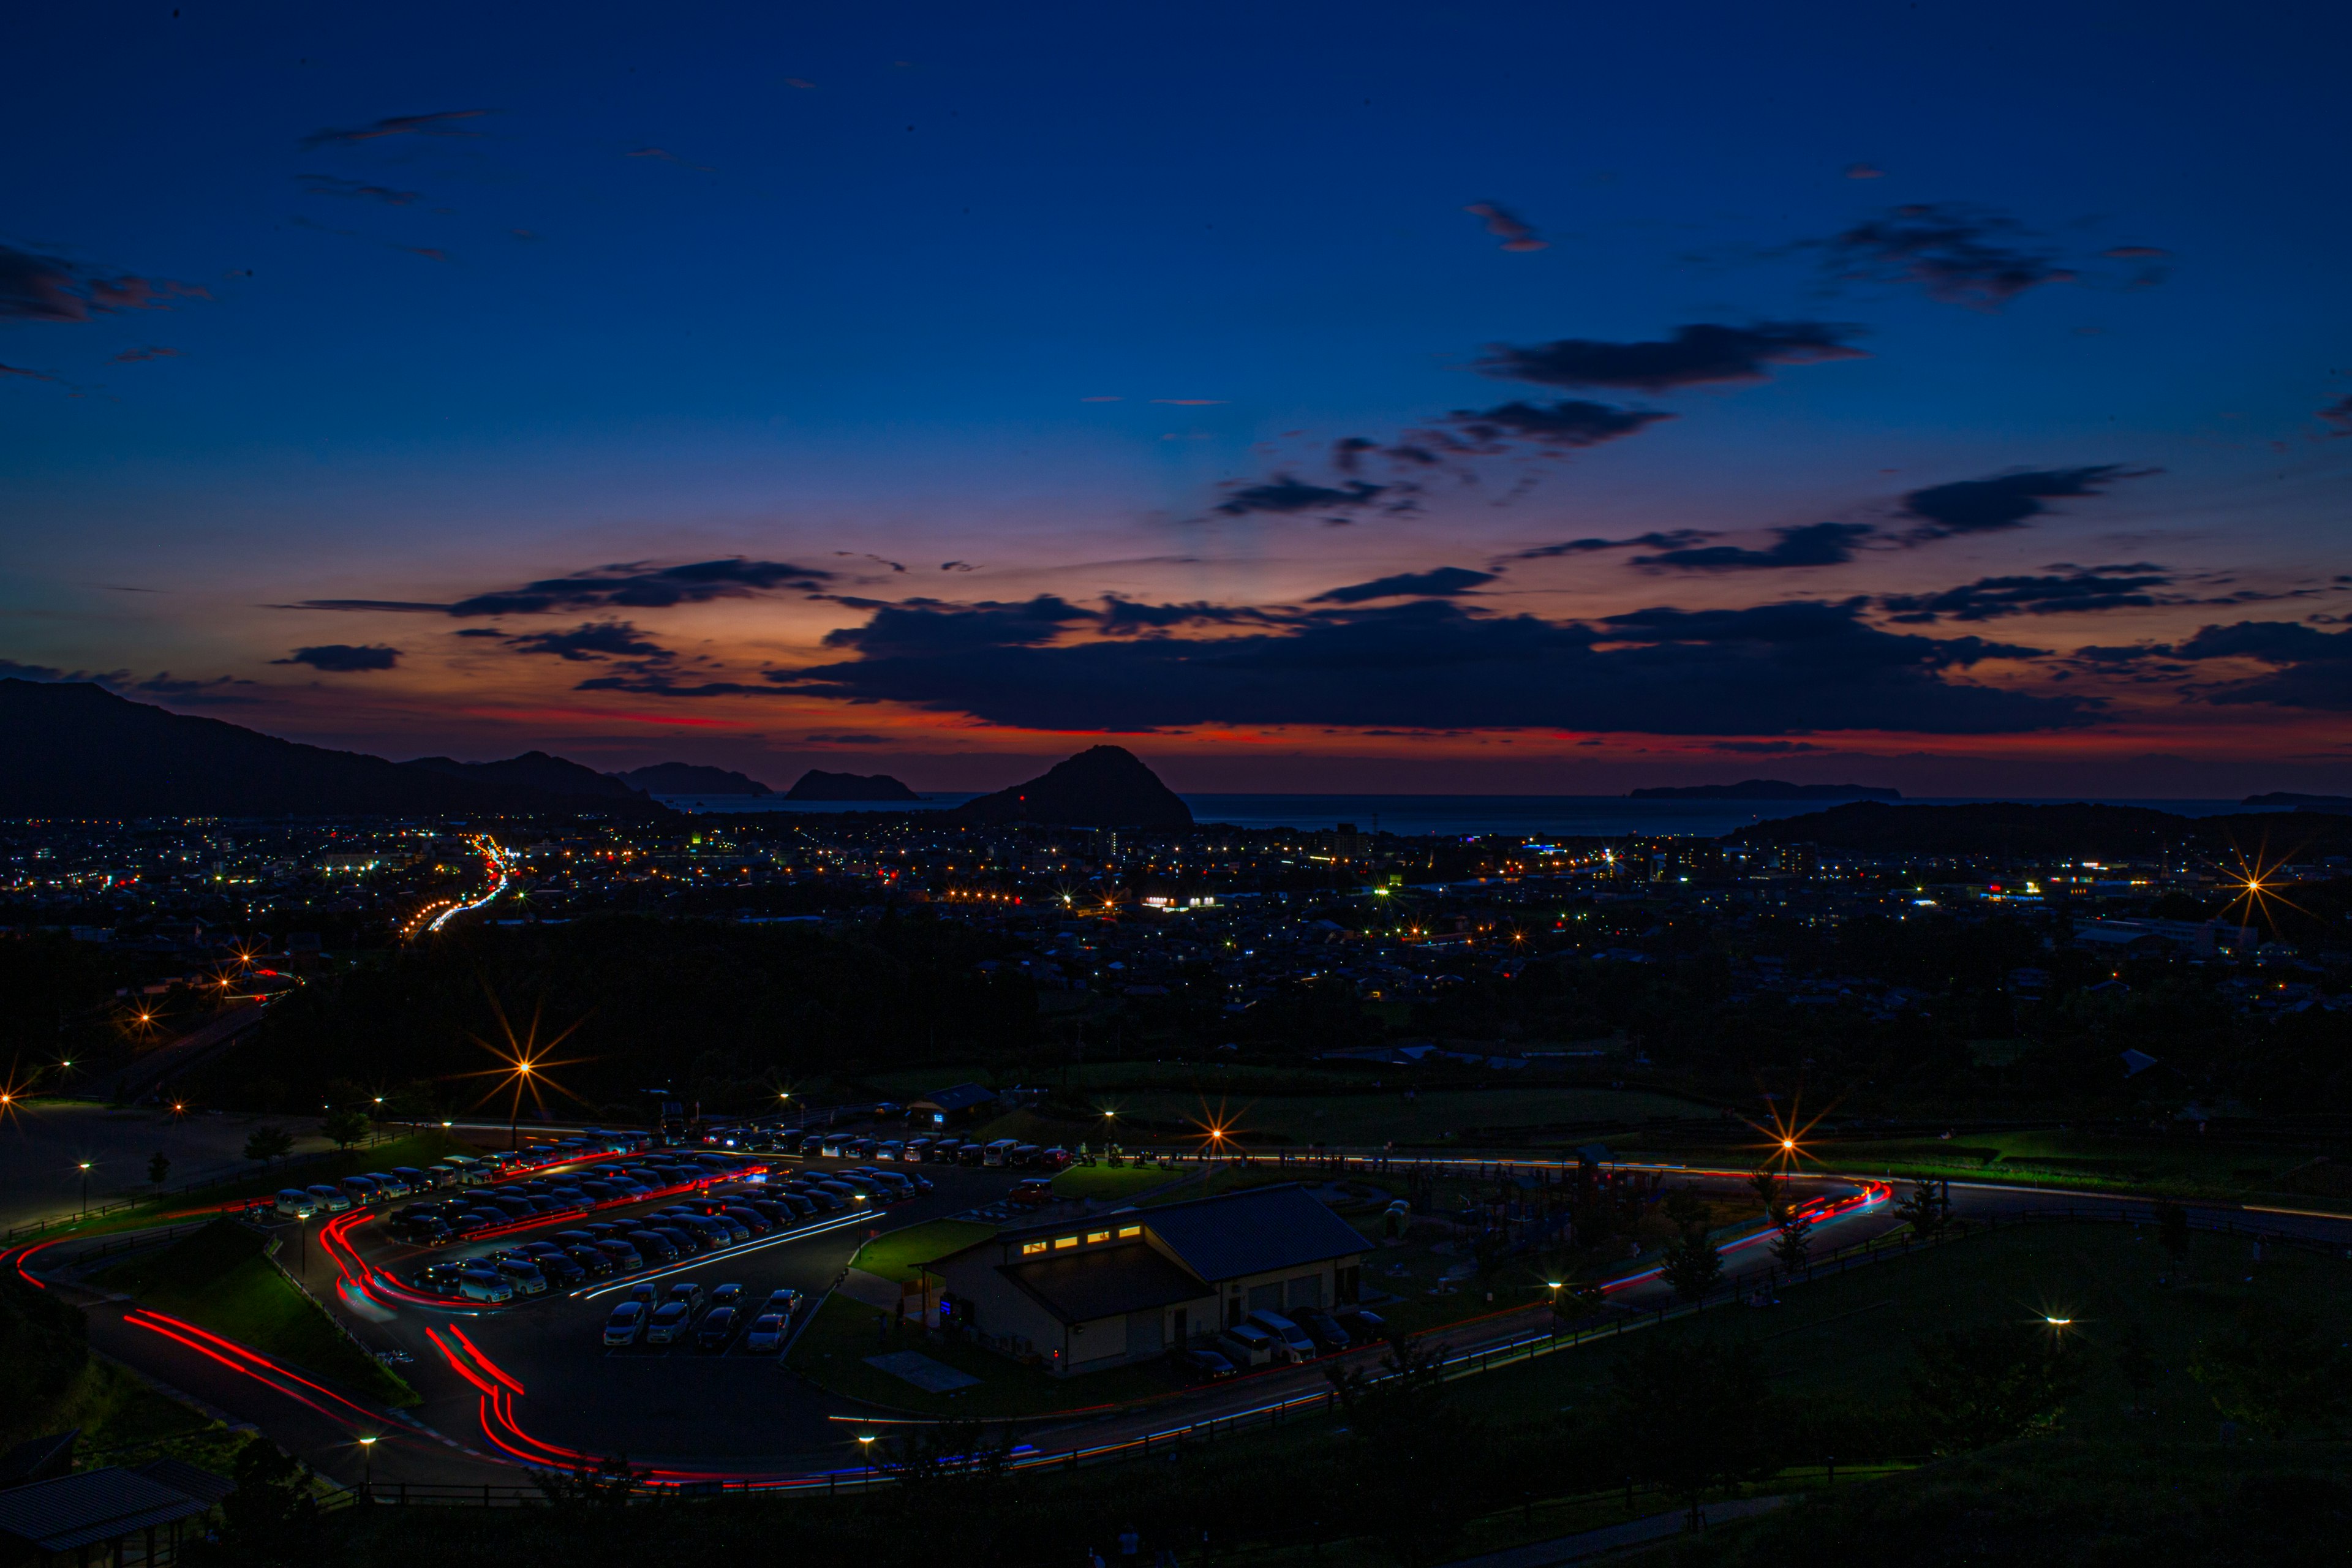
(36, 288)
(1961, 254)
(134, 356)
(1507, 226)
(1810, 544)
(2005, 501)
(444, 123)
(357, 190)
(1441, 582)
(1696, 355)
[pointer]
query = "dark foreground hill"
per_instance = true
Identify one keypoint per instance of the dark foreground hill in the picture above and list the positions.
(2011, 828)
(1105, 786)
(79, 750)
(818, 785)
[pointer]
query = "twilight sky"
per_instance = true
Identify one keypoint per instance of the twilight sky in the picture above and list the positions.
(1515, 399)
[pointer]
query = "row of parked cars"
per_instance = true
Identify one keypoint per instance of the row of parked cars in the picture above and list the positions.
(941, 1150)
(1269, 1338)
(704, 1222)
(723, 1316)
(436, 1223)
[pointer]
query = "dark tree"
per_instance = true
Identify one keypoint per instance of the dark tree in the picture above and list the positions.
(1975, 1387)
(1694, 1416)
(1693, 1266)
(1925, 1209)
(346, 1127)
(1794, 1245)
(1418, 1472)
(159, 1166)
(268, 1144)
(2275, 1372)
(270, 1518)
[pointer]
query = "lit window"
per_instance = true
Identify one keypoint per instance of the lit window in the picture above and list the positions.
(1062, 1241)
(1095, 1236)
(1127, 1231)
(1030, 1247)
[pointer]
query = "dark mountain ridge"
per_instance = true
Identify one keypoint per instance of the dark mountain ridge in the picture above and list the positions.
(1764, 789)
(75, 750)
(1104, 786)
(535, 769)
(690, 778)
(2012, 829)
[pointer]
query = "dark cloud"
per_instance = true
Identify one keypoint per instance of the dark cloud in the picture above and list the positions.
(1956, 253)
(2311, 669)
(1506, 226)
(1696, 355)
(1810, 544)
(592, 640)
(1438, 583)
(398, 606)
(1431, 664)
(922, 629)
(2338, 414)
(329, 185)
(658, 683)
(12, 670)
(27, 374)
(1764, 748)
(136, 356)
(1991, 598)
(1673, 538)
(635, 586)
(842, 740)
(1568, 424)
(1283, 495)
(36, 287)
(2007, 500)
(1129, 617)
(441, 124)
(219, 689)
(343, 659)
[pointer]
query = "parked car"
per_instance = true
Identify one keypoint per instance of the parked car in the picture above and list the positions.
(1297, 1345)
(669, 1321)
(1199, 1366)
(592, 1263)
(1246, 1345)
(293, 1203)
(1328, 1336)
(437, 1279)
(1033, 1192)
(652, 1247)
(479, 1284)
(1365, 1328)
(718, 1328)
(688, 1291)
(626, 1323)
(726, 1295)
(624, 1258)
(767, 1334)
(329, 1200)
(784, 1303)
(523, 1274)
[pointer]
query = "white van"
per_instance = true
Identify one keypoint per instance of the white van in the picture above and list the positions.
(1001, 1151)
(1295, 1343)
(293, 1203)
(1246, 1346)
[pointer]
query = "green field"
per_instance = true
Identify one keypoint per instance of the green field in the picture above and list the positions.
(220, 1279)
(1121, 1183)
(895, 1254)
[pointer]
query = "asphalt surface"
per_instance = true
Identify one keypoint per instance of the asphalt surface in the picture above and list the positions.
(44, 1142)
(531, 1381)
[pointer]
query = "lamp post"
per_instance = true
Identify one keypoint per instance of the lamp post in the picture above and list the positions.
(866, 1453)
(85, 1189)
(367, 1470)
(514, 1118)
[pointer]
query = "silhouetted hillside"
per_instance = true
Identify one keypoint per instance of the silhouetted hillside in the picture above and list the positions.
(818, 785)
(1764, 789)
(1105, 786)
(74, 750)
(690, 778)
(535, 769)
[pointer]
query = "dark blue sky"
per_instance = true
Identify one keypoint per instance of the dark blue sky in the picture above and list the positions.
(1183, 306)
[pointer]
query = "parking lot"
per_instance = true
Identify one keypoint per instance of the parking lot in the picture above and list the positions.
(651, 1401)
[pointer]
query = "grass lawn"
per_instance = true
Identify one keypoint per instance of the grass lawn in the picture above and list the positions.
(832, 1352)
(220, 1279)
(895, 1254)
(1123, 1182)
(1850, 1336)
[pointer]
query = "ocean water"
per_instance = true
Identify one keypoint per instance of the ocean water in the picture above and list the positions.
(1531, 815)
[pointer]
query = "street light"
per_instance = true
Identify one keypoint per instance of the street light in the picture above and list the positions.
(367, 1471)
(866, 1452)
(85, 1189)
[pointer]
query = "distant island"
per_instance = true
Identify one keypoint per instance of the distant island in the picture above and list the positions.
(1104, 786)
(689, 778)
(818, 785)
(1764, 789)
(2307, 802)
(534, 769)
